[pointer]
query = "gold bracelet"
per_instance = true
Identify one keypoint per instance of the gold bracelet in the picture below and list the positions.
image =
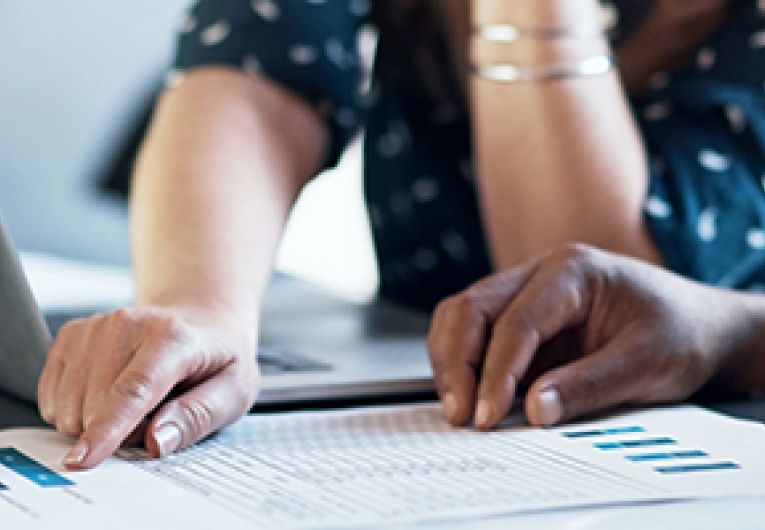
(512, 33)
(512, 73)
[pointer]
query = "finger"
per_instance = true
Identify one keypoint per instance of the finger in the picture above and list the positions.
(101, 379)
(70, 394)
(70, 391)
(144, 383)
(199, 412)
(52, 371)
(604, 380)
(556, 297)
(458, 336)
(115, 355)
(46, 387)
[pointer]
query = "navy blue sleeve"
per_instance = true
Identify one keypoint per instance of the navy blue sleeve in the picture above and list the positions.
(308, 46)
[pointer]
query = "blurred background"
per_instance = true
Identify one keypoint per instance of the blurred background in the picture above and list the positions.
(78, 82)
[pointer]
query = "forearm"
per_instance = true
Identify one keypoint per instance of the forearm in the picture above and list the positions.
(559, 161)
(224, 161)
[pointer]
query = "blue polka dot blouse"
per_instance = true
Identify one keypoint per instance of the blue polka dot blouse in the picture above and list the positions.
(703, 125)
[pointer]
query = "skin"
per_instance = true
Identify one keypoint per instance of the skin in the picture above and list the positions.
(225, 160)
(569, 187)
(227, 155)
(590, 331)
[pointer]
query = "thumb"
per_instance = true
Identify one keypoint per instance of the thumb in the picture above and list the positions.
(197, 413)
(603, 380)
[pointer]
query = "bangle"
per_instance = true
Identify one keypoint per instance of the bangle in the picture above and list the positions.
(512, 33)
(511, 73)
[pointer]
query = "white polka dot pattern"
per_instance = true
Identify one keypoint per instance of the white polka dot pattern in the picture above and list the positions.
(421, 191)
(707, 225)
(657, 207)
(713, 160)
(266, 9)
(215, 34)
(755, 238)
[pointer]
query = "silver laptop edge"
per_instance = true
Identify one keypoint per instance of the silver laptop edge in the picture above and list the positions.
(24, 336)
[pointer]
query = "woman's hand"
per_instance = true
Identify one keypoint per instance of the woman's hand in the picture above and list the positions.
(591, 331)
(159, 376)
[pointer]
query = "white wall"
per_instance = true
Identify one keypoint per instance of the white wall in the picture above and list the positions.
(70, 76)
(70, 73)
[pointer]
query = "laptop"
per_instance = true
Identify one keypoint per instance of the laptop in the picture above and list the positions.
(314, 347)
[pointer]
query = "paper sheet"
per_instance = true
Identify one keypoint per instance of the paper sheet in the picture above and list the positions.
(387, 466)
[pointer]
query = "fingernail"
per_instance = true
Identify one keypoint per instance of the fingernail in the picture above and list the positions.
(168, 438)
(76, 454)
(549, 408)
(482, 413)
(450, 405)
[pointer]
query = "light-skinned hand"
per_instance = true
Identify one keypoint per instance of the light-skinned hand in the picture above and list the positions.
(164, 377)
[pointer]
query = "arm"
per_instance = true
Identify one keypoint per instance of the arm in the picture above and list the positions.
(223, 163)
(559, 161)
(225, 159)
(590, 331)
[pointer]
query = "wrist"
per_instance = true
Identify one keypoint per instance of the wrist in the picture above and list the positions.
(235, 322)
(549, 31)
(537, 13)
(741, 342)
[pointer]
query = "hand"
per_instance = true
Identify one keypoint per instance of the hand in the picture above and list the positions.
(156, 375)
(591, 331)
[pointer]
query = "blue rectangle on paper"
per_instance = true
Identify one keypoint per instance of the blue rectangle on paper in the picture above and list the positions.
(717, 466)
(631, 444)
(3, 487)
(624, 430)
(607, 446)
(32, 470)
(604, 432)
(651, 457)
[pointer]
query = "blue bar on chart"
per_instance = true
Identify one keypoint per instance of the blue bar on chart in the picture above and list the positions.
(32, 470)
(631, 444)
(652, 457)
(632, 429)
(716, 466)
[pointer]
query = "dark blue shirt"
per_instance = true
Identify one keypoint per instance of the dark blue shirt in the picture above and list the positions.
(703, 126)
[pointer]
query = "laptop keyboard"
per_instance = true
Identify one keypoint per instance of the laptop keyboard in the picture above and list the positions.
(273, 359)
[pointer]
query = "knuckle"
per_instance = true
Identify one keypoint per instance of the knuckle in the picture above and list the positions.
(518, 325)
(68, 330)
(461, 310)
(198, 418)
(123, 317)
(576, 254)
(134, 386)
(585, 394)
(168, 328)
(69, 425)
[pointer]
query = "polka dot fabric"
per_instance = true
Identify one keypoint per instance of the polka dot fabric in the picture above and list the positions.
(703, 125)
(309, 46)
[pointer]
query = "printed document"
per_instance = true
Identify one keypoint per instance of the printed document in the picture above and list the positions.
(382, 465)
